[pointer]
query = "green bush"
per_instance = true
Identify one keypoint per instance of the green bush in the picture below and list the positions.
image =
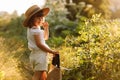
(96, 50)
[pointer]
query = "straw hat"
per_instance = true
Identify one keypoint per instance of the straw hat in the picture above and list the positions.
(32, 11)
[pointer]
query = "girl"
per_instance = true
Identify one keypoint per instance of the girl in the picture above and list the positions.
(35, 19)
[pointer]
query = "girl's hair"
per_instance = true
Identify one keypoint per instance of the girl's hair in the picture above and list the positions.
(31, 21)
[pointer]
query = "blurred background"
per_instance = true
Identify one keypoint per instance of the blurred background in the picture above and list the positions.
(86, 33)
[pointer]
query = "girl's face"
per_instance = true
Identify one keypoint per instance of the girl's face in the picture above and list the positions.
(38, 21)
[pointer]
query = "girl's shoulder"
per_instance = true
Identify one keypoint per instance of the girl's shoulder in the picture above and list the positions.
(35, 30)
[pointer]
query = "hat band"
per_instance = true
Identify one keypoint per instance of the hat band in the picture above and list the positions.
(33, 11)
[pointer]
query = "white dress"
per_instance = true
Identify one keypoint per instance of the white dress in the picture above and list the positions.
(38, 57)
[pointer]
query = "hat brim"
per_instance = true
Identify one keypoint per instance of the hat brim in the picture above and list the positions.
(45, 11)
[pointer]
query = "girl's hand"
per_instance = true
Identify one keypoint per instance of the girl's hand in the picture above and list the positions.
(45, 25)
(55, 52)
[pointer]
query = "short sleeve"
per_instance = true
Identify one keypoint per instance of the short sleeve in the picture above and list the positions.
(35, 31)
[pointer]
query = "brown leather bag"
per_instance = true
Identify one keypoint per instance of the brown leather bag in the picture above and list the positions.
(55, 73)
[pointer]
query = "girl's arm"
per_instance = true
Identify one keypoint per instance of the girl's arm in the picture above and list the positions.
(42, 46)
(46, 30)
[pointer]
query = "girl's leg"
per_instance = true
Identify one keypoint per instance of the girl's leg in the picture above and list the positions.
(39, 75)
(36, 75)
(43, 75)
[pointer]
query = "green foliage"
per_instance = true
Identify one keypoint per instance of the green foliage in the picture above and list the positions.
(8, 63)
(14, 53)
(59, 24)
(87, 8)
(55, 41)
(96, 50)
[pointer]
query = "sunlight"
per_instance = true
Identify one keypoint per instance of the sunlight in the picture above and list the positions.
(19, 5)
